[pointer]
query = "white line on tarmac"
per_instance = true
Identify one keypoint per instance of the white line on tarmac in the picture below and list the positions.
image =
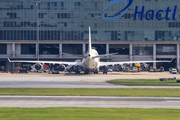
(173, 101)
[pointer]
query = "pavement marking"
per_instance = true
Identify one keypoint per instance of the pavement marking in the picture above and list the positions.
(26, 79)
(172, 101)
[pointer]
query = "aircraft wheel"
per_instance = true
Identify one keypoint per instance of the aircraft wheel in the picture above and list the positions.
(77, 72)
(86, 71)
(95, 72)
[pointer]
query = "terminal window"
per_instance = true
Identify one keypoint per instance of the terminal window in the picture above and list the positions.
(28, 49)
(3, 48)
(49, 49)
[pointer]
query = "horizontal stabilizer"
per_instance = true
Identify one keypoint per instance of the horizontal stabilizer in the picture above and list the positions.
(81, 56)
(104, 55)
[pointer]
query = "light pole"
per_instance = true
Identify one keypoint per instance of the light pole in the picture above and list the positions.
(37, 47)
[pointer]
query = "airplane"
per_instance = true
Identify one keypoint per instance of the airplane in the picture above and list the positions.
(90, 61)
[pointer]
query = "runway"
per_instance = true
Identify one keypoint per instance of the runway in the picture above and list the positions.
(79, 101)
(37, 80)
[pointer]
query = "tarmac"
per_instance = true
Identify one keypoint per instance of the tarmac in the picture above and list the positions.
(66, 80)
(89, 101)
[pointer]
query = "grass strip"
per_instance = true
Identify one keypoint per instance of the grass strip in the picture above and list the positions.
(135, 92)
(88, 114)
(144, 82)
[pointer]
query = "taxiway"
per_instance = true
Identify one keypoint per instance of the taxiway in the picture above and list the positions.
(42, 80)
(83, 101)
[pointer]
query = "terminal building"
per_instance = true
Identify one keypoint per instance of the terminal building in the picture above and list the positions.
(45, 29)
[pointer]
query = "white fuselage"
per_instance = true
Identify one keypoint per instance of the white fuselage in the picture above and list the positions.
(90, 62)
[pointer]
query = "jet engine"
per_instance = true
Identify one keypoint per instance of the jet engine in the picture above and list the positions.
(121, 67)
(62, 68)
(36, 67)
(144, 67)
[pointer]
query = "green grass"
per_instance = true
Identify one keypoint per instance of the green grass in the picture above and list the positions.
(88, 114)
(135, 92)
(144, 82)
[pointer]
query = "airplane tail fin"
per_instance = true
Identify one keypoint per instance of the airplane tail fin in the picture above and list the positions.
(89, 41)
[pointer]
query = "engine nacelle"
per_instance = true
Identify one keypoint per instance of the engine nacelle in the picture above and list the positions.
(62, 68)
(121, 67)
(36, 67)
(144, 67)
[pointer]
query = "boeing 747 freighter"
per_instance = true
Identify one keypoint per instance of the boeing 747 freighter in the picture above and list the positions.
(90, 61)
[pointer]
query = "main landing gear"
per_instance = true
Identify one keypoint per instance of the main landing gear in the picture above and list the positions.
(91, 71)
(77, 72)
(96, 71)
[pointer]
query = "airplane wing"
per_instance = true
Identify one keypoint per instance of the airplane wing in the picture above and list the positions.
(52, 62)
(127, 62)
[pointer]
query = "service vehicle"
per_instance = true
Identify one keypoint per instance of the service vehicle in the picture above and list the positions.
(174, 71)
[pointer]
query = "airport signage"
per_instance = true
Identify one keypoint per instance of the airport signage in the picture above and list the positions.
(149, 15)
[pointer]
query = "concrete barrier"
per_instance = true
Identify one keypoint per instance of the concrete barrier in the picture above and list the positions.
(178, 81)
(166, 79)
(163, 79)
(172, 78)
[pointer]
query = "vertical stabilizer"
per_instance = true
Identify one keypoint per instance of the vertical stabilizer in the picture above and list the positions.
(89, 41)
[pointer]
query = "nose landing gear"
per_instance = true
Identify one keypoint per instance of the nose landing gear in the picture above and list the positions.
(77, 72)
(86, 71)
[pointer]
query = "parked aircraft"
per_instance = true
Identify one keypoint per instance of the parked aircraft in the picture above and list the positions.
(90, 61)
